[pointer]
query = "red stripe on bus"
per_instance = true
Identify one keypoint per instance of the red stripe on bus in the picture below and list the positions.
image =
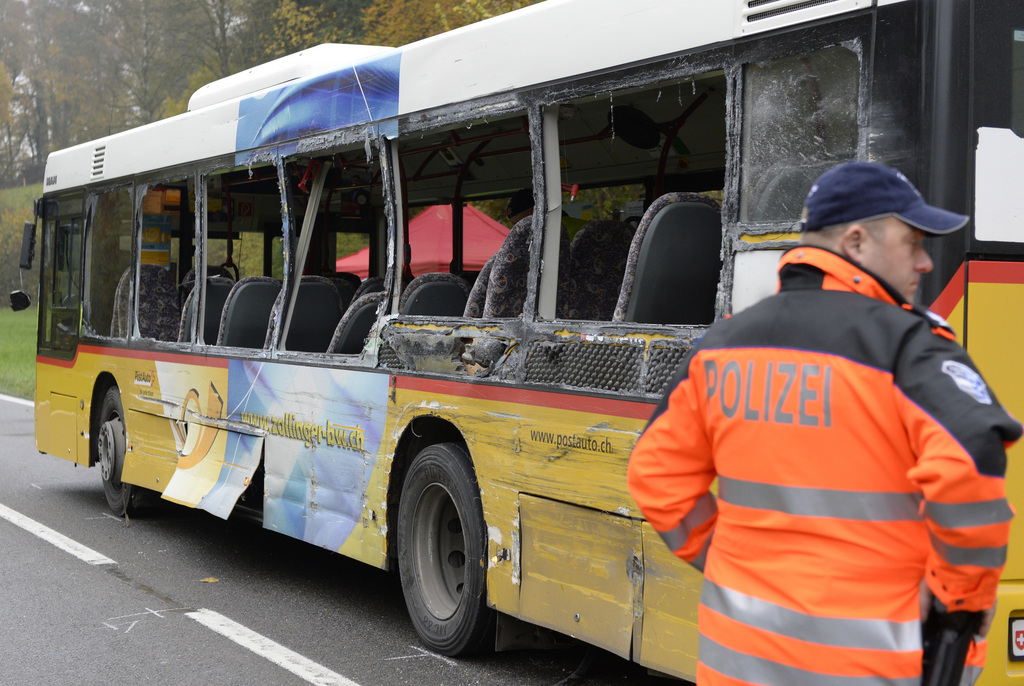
(67, 364)
(950, 295)
(996, 272)
(560, 401)
(177, 358)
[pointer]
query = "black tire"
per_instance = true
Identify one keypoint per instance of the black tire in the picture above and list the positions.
(110, 447)
(442, 552)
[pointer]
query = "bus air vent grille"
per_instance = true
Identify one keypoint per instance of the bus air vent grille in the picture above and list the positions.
(662, 364)
(388, 357)
(98, 156)
(774, 8)
(606, 367)
(757, 16)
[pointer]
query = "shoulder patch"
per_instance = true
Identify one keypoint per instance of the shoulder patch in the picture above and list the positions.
(967, 380)
(939, 321)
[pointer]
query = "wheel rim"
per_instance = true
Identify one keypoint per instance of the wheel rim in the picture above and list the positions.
(440, 551)
(107, 448)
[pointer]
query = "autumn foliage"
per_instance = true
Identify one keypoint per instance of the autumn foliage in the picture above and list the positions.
(75, 70)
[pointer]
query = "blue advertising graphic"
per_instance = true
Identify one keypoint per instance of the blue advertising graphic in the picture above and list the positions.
(322, 432)
(354, 94)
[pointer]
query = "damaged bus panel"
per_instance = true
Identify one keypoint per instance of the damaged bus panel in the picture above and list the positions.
(415, 305)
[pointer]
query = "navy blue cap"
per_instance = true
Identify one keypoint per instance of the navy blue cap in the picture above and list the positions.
(861, 191)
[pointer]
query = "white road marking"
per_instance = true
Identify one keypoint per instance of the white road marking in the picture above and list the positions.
(17, 401)
(261, 645)
(423, 653)
(50, 536)
(275, 652)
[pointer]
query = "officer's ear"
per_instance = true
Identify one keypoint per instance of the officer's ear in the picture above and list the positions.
(852, 242)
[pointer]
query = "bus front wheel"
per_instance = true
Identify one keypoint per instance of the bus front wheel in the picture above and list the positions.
(110, 447)
(442, 552)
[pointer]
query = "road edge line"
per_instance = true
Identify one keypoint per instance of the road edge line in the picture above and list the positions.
(269, 649)
(83, 553)
(18, 401)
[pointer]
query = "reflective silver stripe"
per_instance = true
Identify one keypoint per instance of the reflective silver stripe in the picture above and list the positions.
(758, 670)
(702, 558)
(991, 558)
(970, 675)
(840, 632)
(968, 514)
(869, 506)
(703, 510)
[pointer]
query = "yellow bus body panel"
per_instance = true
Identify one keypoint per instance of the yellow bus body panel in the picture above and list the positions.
(995, 291)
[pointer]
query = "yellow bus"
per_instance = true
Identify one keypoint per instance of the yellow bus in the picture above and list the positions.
(237, 310)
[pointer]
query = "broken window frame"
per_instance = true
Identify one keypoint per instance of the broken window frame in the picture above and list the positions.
(92, 205)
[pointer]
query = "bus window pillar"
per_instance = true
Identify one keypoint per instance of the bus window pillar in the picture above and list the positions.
(552, 214)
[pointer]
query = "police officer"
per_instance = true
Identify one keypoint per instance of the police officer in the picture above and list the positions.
(858, 453)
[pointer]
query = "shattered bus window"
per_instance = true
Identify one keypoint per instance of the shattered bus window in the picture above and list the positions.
(800, 119)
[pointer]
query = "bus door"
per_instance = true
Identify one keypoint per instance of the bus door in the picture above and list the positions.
(59, 321)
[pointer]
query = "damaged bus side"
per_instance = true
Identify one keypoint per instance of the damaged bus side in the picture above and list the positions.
(467, 419)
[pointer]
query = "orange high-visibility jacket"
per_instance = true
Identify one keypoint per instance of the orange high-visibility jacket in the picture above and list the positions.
(856, 449)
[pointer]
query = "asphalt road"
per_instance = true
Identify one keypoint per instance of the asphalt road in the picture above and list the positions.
(181, 597)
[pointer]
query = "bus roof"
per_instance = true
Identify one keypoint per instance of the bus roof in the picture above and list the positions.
(334, 86)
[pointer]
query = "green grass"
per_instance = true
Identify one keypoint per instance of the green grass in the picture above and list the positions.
(17, 352)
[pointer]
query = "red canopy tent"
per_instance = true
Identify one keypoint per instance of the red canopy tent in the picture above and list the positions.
(430, 235)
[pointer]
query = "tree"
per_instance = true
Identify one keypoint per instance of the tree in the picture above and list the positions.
(471, 11)
(149, 39)
(69, 79)
(397, 22)
(296, 27)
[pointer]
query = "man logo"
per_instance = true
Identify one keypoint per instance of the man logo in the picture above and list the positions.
(967, 380)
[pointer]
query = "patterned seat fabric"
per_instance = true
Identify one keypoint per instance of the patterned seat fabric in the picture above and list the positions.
(597, 257)
(247, 309)
(372, 284)
(507, 285)
(435, 293)
(674, 263)
(217, 289)
(478, 294)
(318, 307)
(188, 282)
(159, 308)
(350, 334)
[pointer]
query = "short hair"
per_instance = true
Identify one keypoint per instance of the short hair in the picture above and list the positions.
(827, 238)
(520, 201)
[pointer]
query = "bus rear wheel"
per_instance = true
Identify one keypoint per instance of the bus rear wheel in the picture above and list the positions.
(442, 552)
(110, 448)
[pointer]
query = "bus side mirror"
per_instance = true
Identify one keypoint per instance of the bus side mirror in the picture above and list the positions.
(28, 245)
(19, 300)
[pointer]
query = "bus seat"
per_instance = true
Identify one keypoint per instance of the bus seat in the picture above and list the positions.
(478, 293)
(597, 257)
(247, 310)
(351, 279)
(506, 288)
(372, 284)
(318, 307)
(159, 306)
(350, 334)
(674, 263)
(435, 293)
(344, 288)
(217, 289)
(221, 272)
(507, 285)
(119, 317)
